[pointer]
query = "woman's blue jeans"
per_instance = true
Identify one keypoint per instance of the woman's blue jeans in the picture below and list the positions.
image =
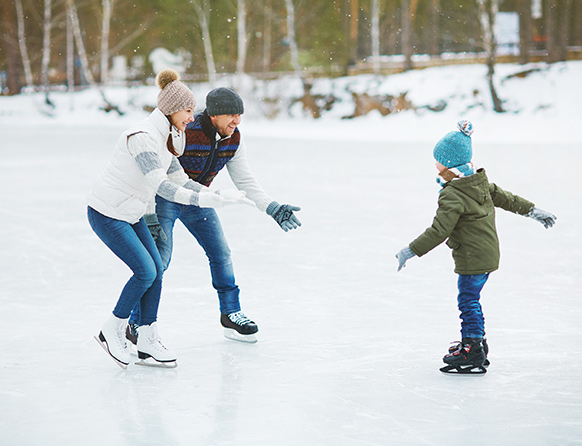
(134, 245)
(472, 320)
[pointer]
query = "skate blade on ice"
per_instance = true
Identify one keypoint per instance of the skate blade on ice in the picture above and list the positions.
(103, 344)
(464, 369)
(149, 361)
(234, 335)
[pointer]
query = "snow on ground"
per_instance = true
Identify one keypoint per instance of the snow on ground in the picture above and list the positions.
(349, 349)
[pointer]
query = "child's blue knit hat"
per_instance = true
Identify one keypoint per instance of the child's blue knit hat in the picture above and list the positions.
(455, 149)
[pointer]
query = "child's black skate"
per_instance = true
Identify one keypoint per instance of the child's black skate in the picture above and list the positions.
(457, 345)
(467, 358)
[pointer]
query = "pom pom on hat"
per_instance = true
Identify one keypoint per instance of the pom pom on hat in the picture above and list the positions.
(166, 77)
(465, 126)
(455, 148)
(174, 95)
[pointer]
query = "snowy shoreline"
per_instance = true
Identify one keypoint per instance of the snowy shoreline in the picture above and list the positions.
(543, 107)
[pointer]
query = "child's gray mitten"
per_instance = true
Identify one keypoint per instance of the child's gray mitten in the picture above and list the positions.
(403, 255)
(545, 218)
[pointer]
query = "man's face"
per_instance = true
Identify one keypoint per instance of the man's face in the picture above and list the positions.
(225, 124)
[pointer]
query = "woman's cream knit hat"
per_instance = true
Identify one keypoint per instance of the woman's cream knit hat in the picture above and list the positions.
(174, 95)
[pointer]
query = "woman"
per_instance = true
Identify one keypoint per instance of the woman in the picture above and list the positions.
(144, 163)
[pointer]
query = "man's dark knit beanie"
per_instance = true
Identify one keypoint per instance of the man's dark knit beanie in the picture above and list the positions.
(224, 101)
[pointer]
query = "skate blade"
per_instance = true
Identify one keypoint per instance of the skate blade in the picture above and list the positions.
(463, 370)
(151, 362)
(234, 335)
(104, 346)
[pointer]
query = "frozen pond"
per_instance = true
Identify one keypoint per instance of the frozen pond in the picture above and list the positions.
(348, 350)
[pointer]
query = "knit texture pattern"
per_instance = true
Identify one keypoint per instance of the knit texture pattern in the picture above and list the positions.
(204, 157)
(174, 95)
(455, 148)
(224, 101)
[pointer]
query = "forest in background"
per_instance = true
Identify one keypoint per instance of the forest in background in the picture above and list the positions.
(74, 42)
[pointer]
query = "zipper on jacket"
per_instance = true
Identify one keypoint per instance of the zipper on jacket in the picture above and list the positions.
(211, 162)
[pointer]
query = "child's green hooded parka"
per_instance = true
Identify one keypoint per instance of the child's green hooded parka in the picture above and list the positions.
(466, 216)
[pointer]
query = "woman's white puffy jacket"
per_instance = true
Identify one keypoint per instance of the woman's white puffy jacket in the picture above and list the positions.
(123, 191)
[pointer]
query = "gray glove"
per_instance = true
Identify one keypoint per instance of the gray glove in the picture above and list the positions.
(403, 255)
(283, 215)
(545, 218)
(155, 228)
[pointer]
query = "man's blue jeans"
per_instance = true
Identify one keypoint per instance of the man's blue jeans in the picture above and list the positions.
(472, 320)
(134, 245)
(204, 225)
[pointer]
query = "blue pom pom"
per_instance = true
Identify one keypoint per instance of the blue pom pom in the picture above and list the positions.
(465, 126)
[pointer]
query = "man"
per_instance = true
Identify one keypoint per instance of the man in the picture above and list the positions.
(214, 141)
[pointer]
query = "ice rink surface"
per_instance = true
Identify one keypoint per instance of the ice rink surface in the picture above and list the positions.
(348, 350)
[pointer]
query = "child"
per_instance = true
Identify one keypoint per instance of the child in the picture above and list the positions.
(466, 217)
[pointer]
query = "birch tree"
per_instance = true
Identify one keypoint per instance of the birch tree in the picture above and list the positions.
(376, 36)
(46, 44)
(22, 43)
(76, 29)
(107, 6)
(267, 36)
(241, 38)
(70, 59)
(201, 7)
(406, 35)
(488, 10)
(291, 38)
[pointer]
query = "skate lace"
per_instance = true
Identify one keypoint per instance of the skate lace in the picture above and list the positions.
(239, 318)
(120, 336)
(155, 339)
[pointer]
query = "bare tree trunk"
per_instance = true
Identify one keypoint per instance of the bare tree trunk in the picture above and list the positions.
(105, 23)
(564, 29)
(354, 29)
(22, 44)
(241, 27)
(434, 34)
(550, 25)
(557, 24)
(70, 60)
(291, 38)
(525, 30)
(46, 44)
(488, 10)
(11, 48)
(376, 35)
(203, 18)
(576, 38)
(76, 27)
(267, 37)
(405, 40)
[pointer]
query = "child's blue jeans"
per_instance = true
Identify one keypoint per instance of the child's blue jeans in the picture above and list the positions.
(472, 320)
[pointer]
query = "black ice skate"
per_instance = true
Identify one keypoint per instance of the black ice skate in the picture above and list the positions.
(131, 333)
(457, 345)
(467, 358)
(238, 327)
